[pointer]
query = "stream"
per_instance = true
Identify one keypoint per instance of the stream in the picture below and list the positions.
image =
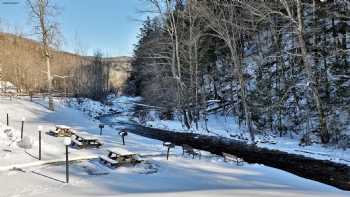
(328, 172)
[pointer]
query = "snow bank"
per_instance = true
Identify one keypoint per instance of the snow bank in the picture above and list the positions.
(228, 127)
(8, 136)
(113, 105)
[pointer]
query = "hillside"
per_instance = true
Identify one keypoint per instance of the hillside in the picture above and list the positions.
(21, 63)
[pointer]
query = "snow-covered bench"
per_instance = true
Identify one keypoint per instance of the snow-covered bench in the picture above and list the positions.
(229, 157)
(187, 149)
(54, 131)
(85, 141)
(62, 131)
(76, 142)
(107, 160)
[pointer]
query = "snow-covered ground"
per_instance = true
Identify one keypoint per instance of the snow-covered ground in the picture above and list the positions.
(122, 105)
(228, 127)
(218, 125)
(180, 176)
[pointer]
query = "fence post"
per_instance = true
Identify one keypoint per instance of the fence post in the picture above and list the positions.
(39, 145)
(101, 126)
(67, 141)
(40, 128)
(22, 127)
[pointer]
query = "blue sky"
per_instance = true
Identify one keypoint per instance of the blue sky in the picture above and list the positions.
(107, 25)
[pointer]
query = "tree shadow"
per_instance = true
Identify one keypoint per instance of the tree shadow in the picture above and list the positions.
(46, 176)
(31, 155)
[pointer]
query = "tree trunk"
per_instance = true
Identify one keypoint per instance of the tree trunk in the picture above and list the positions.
(325, 137)
(237, 66)
(49, 82)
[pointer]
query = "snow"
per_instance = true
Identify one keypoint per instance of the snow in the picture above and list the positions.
(120, 151)
(219, 125)
(23, 175)
(63, 127)
(122, 105)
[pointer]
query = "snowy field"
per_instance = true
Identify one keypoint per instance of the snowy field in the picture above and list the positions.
(180, 176)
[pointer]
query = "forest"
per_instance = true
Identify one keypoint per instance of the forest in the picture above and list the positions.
(281, 67)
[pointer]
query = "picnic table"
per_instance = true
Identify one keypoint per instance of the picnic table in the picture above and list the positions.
(85, 141)
(230, 157)
(187, 149)
(62, 131)
(120, 156)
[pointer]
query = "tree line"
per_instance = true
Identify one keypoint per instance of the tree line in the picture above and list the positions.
(280, 66)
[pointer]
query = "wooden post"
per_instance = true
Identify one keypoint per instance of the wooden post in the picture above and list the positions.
(39, 145)
(122, 134)
(123, 140)
(22, 127)
(167, 154)
(7, 119)
(101, 126)
(31, 96)
(169, 145)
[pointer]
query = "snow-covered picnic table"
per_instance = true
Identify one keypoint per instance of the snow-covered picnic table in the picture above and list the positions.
(119, 156)
(63, 127)
(85, 141)
(62, 131)
(121, 151)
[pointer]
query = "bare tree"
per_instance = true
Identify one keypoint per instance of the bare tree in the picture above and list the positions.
(43, 12)
(224, 18)
(193, 29)
(166, 11)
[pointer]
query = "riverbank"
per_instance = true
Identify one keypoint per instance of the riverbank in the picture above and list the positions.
(178, 176)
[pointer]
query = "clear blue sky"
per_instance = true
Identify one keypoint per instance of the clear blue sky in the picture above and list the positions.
(108, 25)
